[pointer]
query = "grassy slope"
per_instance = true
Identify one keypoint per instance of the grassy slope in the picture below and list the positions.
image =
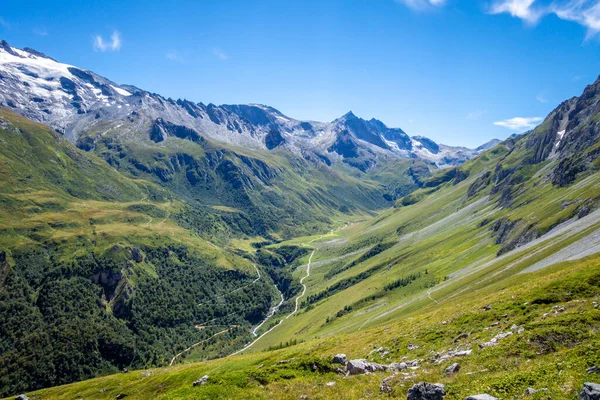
(52, 193)
(553, 351)
(446, 234)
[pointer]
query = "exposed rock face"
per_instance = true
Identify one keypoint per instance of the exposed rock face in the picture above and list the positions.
(162, 129)
(345, 145)
(339, 359)
(428, 144)
(590, 391)
(273, 139)
(426, 391)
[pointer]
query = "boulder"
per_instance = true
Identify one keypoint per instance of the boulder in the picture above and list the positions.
(593, 370)
(339, 359)
(22, 397)
(401, 366)
(483, 396)
(426, 391)
(201, 381)
(452, 369)
(357, 367)
(590, 391)
(531, 391)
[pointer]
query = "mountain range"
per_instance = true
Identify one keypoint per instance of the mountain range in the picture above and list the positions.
(85, 107)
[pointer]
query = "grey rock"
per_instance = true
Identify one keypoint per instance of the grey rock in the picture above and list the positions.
(339, 359)
(452, 369)
(426, 391)
(483, 396)
(593, 370)
(530, 391)
(590, 391)
(461, 336)
(357, 367)
(201, 381)
(21, 397)
(384, 386)
(401, 366)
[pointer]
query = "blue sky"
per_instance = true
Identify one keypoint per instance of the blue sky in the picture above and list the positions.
(458, 71)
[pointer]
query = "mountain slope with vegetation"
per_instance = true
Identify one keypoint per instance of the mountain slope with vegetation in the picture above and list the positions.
(492, 264)
(97, 274)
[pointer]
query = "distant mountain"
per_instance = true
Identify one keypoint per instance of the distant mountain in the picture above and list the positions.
(85, 106)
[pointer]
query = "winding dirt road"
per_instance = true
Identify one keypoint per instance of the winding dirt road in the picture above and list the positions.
(297, 298)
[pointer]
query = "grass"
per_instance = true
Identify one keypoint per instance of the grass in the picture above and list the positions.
(552, 352)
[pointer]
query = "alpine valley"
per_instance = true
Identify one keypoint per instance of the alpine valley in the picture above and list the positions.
(160, 248)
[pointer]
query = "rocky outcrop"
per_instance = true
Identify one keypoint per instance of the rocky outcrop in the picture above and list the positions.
(361, 367)
(452, 369)
(162, 129)
(426, 391)
(274, 139)
(339, 359)
(590, 391)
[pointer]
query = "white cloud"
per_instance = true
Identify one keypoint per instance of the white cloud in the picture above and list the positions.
(523, 9)
(422, 4)
(541, 98)
(583, 12)
(519, 123)
(476, 114)
(219, 53)
(174, 56)
(113, 45)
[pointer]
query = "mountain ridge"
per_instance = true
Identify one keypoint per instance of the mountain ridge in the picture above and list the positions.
(74, 100)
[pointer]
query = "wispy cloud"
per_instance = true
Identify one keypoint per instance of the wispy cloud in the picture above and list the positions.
(175, 56)
(583, 12)
(40, 32)
(422, 4)
(519, 123)
(541, 98)
(4, 23)
(577, 78)
(476, 114)
(220, 53)
(114, 44)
